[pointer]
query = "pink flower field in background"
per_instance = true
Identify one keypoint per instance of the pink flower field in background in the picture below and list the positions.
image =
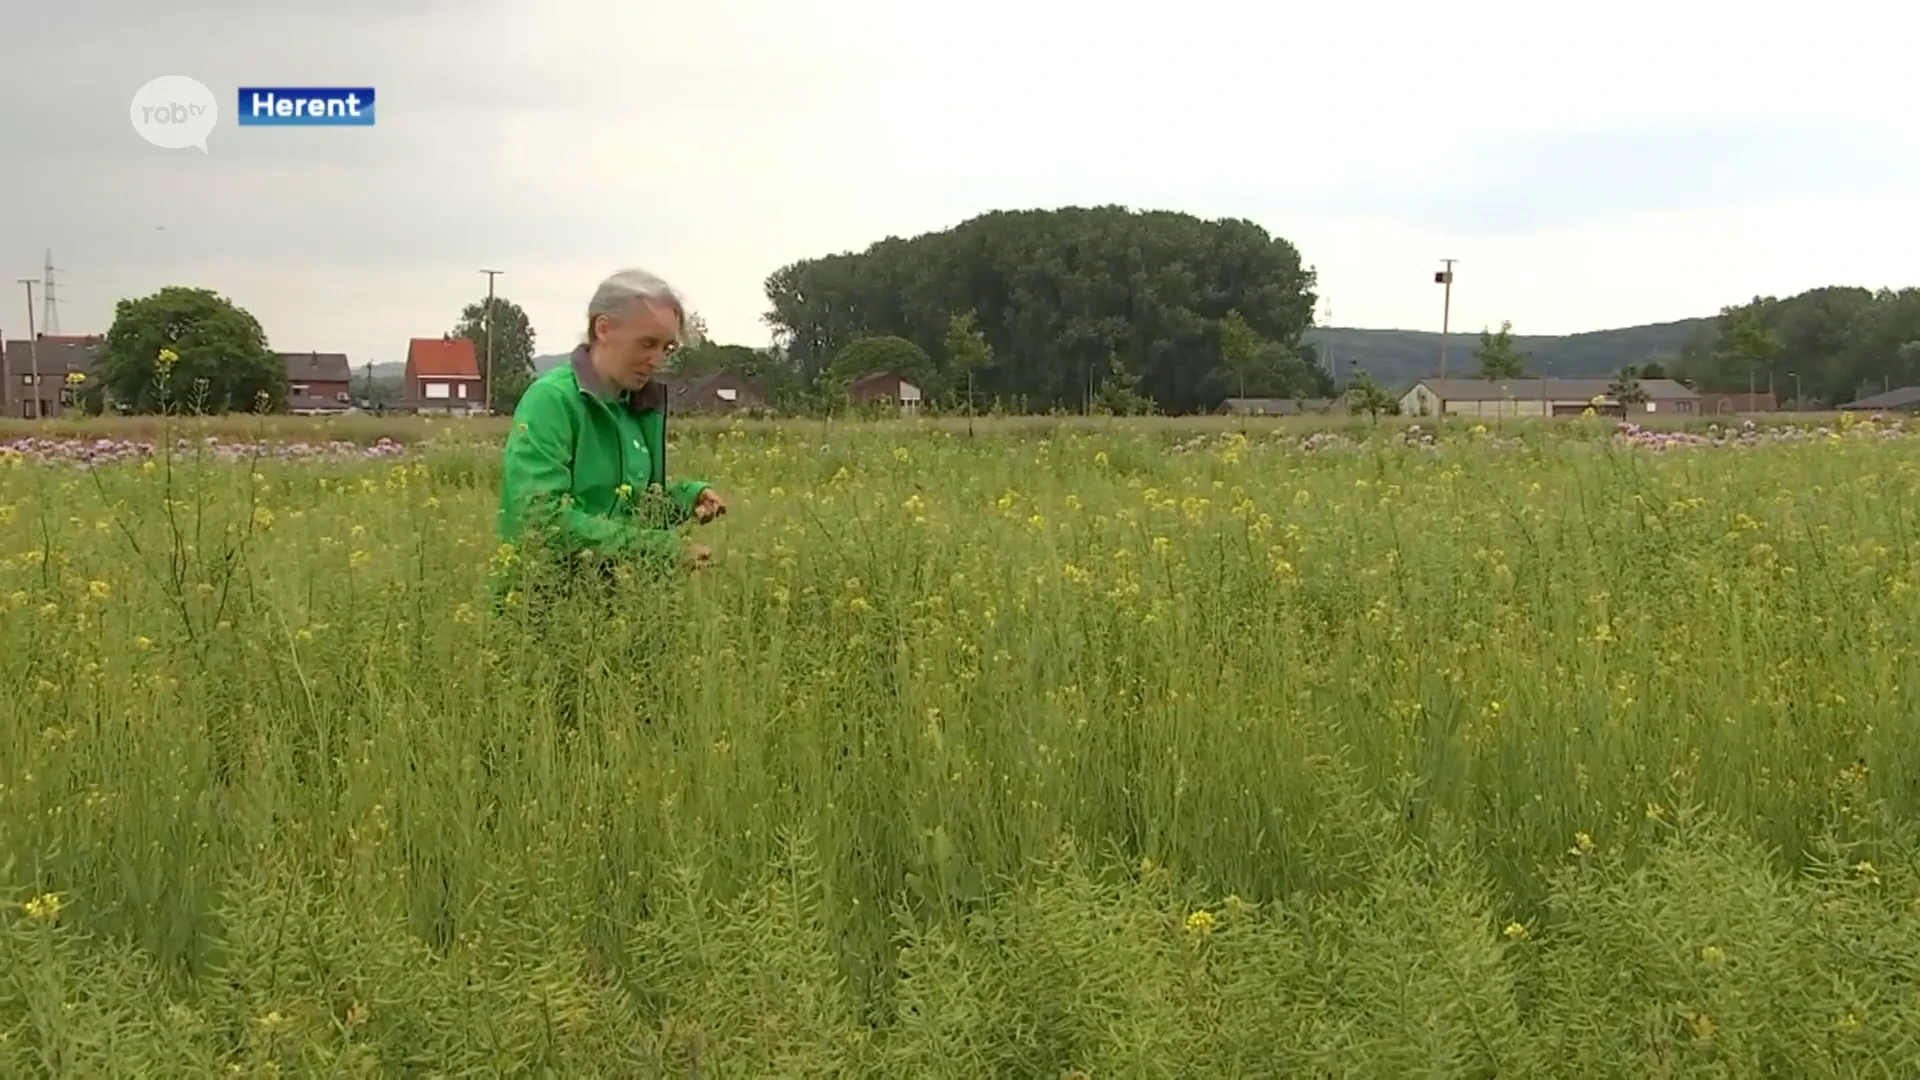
(111, 451)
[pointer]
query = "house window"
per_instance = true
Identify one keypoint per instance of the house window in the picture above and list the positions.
(300, 388)
(342, 396)
(463, 391)
(438, 390)
(728, 393)
(26, 380)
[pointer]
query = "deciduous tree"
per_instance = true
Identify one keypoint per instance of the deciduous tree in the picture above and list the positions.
(512, 347)
(218, 355)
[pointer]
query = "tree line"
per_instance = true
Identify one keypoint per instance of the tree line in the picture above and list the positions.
(1059, 309)
(1819, 349)
(1100, 309)
(192, 350)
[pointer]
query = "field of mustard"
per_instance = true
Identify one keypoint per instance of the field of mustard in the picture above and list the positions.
(1057, 750)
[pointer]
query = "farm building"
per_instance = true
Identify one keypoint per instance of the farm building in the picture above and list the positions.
(1275, 406)
(886, 388)
(719, 392)
(1540, 397)
(1906, 399)
(1742, 402)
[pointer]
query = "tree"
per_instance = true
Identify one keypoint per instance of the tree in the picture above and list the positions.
(865, 355)
(1366, 396)
(1120, 392)
(218, 360)
(1626, 389)
(1064, 291)
(1240, 348)
(968, 352)
(512, 348)
(1498, 357)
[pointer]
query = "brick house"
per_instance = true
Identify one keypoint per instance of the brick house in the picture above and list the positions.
(57, 357)
(885, 388)
(719, 392)
(318, 383)
(442, 376)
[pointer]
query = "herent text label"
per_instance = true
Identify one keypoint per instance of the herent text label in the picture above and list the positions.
(291, 106)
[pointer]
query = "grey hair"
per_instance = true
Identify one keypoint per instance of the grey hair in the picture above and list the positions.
(618, 294)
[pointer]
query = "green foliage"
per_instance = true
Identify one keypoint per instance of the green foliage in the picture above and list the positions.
(221, 360)
(1842, 343)
(968, 352)
(1119, 393)
(1062, 290)
(512, 347)
(1364, 396)
(1626, 389)
(863, 356)
(1108, 748)
(1499, 358)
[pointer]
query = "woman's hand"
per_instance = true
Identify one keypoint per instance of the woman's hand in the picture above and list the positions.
(708, 506)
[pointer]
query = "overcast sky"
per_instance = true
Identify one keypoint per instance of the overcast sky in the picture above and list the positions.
(1590, 165)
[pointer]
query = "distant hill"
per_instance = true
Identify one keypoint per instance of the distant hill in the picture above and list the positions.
(1399, 357)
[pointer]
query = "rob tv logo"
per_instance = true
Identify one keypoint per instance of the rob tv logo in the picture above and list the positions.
(305, 106)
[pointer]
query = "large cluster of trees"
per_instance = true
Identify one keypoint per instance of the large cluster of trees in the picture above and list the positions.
(1049, 307)
(1824, 347)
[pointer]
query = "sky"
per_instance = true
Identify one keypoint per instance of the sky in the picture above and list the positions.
(1589, 166)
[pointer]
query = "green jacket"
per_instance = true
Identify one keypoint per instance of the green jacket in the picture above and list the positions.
(586, 470)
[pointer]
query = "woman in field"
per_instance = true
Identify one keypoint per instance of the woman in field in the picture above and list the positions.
(586, 461)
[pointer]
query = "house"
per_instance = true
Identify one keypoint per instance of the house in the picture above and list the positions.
(1906, 399)
(886, 388)
(1274, 406)
(1541, 397)
(442, 375)
(716, 392)
(44, 377)
(318, 384)
(1742, 402)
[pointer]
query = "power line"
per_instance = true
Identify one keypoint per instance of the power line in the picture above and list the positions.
(51, 320)
(488, 391)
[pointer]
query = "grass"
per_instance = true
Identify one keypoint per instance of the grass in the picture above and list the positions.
(1086, 749)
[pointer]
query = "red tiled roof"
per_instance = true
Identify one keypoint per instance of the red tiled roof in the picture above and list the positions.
(437, 358)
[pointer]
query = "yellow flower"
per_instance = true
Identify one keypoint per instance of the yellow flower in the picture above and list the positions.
(359, 559)
(98, 589)
(1201, 922)
(1582, 844)
(1517, 931)
(43, 907)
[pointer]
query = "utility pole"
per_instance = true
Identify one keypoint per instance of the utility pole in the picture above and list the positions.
(491, 274)
(1445, 277)
(33, 348)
